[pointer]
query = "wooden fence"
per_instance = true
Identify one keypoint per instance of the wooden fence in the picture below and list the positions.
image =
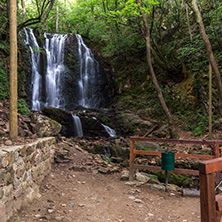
(133, 152)
(209, 173)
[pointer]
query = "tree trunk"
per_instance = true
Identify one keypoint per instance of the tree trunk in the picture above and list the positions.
(209, 53)
(13, 122)
(45, 14)
(57, 18)
(24, 11)
(153, 75)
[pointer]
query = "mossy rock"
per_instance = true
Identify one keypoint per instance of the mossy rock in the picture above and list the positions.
(62, 117)
(147, 146)
(176, 179)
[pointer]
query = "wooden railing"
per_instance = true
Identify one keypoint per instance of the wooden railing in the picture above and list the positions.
(210, 204)
(133, 152)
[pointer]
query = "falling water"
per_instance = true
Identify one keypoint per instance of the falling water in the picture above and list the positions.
(77, 126)
(55, 70)
(36, 77)
(52, 82)
(110, 131)
(89, 67)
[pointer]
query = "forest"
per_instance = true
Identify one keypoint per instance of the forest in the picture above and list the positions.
(157, 51)
(129, 88)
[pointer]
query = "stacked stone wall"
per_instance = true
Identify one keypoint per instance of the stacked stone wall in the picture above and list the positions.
(22, 169)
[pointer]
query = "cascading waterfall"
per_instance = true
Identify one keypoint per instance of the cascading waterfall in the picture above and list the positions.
(110, 131)
(36, 77)
(48, 88)
(77, 126)
(88, 69)
(55, 70)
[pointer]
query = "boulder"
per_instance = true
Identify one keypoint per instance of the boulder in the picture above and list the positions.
(46, 127)
(62, 117)
(91, 126)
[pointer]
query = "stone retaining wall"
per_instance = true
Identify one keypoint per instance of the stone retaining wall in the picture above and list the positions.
(22, 169)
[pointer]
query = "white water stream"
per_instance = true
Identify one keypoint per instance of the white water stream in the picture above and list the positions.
(88, 69)
(36, 77)
(77, 126)
(54, 48)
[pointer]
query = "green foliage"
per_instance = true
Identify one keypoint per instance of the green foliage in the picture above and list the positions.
(23, 108)
(195, 121)
(4, 84)
(116, 28)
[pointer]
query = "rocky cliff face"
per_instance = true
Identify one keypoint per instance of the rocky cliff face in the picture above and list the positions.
(104, 85)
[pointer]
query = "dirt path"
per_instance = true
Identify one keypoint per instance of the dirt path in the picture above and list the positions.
(69, 195)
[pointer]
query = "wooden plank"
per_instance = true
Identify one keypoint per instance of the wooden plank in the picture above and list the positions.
(207, 198)
(143, 152)
(186, 172)
(158, 168)
(131, 164)
(219, 202)
(194, 156)
(148, 167)
(176, 141)
(216, 151)
(210, 166)
(219, 215)
(182, 155)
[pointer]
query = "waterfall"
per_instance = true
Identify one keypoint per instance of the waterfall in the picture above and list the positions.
(77, 126)
(65, 83)
(49, 85)
(55, 70)
(36, 77)
(89, 67)
(110, 131)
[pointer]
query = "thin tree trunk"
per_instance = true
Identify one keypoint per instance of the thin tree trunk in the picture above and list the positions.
(209, 53)
(24, 11)
(46, 13)
(57, 18)
(153, 75)
(188, 22)
(13, 122)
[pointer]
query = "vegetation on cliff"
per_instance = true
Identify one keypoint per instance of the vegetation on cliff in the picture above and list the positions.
(114, 30)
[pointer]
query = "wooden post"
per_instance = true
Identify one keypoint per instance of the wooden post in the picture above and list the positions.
(217, 155)
(207, 198)
(13, 122)
(132, 157)
(210, 101)
(207, 171)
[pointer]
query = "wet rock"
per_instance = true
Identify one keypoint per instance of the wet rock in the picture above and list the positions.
(104, 170)
(134, 183)
(162, 132)
(138, 201)
(50, 210)
(142, 178)
(117, 150)
(8, 143)
(147, 146)
(2, 133)
(58, 218)
(157, 187)
(46, 127)
(21, 132)
(125, 176)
